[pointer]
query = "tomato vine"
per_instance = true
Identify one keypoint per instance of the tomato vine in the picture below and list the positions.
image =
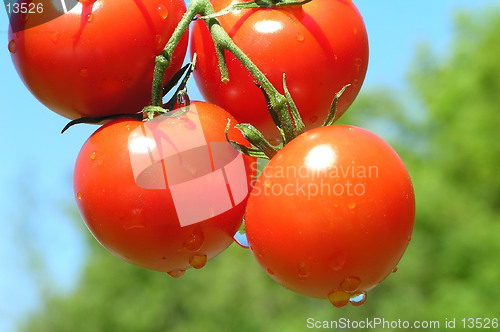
(282, 108)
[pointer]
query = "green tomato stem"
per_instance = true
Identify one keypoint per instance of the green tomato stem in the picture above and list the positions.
(163, 61)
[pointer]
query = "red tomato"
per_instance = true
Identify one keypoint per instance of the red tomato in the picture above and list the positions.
(321, 46)
(331, 214)
(167, 194)
(97, 59)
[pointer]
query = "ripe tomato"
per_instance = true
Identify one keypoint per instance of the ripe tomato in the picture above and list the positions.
(321, 46)
(98, 58)
(167, 194)
(331, 214)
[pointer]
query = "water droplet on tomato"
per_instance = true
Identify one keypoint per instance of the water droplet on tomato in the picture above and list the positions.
(84, 72)
(355, 82)
(300, 37)
(159, 39)
(163, 12)
(303, 271)
(358, 62)
(313, 119)
(267, 183)
(92, 155)
(395, 269)
(90, 17)
(337, 262)
(351, 206)
(79, 195)
(198, 261)
(269, 271)
(350, 284)
(358, 299)
(408, 238)
(194, 241)
(241, 240)
(176, 273)
(55, 37)
(355, 31)
(339, 298)
(12, 46)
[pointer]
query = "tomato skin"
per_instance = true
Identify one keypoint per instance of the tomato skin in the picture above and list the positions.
(140, 225)
(97, 59)
(321, 47)
(353, 221)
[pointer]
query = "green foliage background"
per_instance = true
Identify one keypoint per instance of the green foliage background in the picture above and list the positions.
(446, 131)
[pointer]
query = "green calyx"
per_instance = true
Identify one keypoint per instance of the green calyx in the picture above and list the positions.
(289, 124)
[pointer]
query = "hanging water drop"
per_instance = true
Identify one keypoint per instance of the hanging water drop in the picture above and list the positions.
(198, 261)
(300, 37)
(90, 17)
(12, 46)
(395, 269)
(358, 299)
(313, 119)
(241, 240)
(92, 155)
(339, 299)
(176, 273)
(79, 195)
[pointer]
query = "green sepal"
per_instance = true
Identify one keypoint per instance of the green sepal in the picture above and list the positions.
(330, 119)
(255, 137)
(297, 119)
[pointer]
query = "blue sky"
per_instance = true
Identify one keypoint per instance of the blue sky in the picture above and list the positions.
(37, 161)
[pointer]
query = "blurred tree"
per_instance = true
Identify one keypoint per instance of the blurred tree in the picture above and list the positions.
(447, 136)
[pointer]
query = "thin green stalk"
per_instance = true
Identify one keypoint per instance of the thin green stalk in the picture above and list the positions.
(163, 61)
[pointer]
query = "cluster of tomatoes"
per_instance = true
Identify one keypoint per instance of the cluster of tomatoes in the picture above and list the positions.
(329, 216)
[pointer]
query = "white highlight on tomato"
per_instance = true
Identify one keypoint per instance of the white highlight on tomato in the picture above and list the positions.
(321, 158)
(268, 26)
